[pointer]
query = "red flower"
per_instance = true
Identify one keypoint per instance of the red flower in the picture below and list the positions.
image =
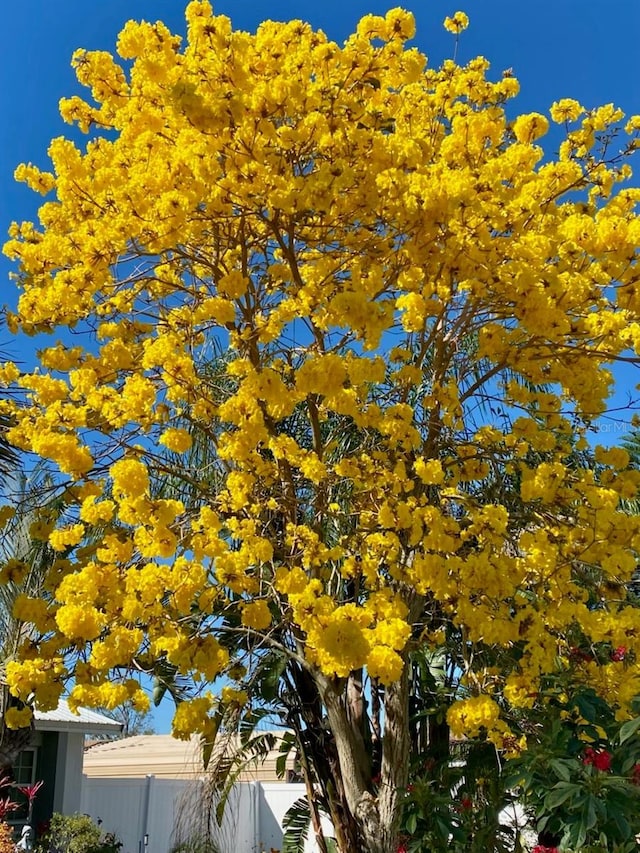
(6, 805)
(466, 803)
(30, 791)
(619, 654)
(635, 774)
(402, 848)
(600, 758)
(602, 761)
(540, 848)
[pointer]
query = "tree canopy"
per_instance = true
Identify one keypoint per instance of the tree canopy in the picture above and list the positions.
(415, 311)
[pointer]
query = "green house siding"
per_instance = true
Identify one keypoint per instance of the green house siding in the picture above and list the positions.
(45, 770)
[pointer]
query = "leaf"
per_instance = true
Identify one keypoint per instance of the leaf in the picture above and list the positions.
(269, 675)
(590, 818)
(562, 768)
(586, 708)
(443, 827)
(559, 794)
(281, 766)
(209, 741)
(621, 824)
(628, 729)
(518, 777)
(287, 744)
(295, 824)
(233, 759)
(580, 837)
(159, 690)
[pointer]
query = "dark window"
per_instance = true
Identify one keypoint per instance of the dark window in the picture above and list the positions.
(24, 770)
(24, 773)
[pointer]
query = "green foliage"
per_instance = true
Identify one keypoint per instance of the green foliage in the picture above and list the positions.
(580, 778)
(77, 834)
(455, 804)
(296, 826)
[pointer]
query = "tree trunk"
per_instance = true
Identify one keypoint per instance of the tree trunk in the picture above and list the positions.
(395, 761)
(12, 741)
(375, 808)
(317, 745)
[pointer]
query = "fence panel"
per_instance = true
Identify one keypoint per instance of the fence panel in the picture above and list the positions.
(137, 810)
(118, 805)
(154, 815)
(196, 818)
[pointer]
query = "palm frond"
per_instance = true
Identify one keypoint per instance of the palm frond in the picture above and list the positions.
(8, 453)
(295, 824)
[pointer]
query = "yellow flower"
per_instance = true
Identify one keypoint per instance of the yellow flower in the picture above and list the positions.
(191, 716)
(34, 610)
(256, 615)
(430, 471)
(18, 718)
(393, 633)
(130, 477)
(456, 23)
(65, 537)
(468, 717)
(520, 692)
(231, 696)
(341, 220)
(78, 622)
(384, 664)
(9, 373)
(565, 109)
(529, 127)
(341, 644)
(13, 571)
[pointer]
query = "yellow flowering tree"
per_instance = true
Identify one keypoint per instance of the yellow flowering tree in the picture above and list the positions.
(25, 562)
(386, 255)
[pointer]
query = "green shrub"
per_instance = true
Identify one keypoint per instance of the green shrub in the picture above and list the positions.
(76, 834)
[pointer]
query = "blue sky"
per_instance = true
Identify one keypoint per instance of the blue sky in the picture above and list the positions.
(557, 48)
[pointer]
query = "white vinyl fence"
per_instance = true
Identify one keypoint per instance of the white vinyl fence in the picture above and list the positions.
(154, 815)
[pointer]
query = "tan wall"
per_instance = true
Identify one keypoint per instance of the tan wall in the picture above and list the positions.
(163, 757)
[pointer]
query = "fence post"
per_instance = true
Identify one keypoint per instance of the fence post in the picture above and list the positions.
(255, 803)
(143, 842)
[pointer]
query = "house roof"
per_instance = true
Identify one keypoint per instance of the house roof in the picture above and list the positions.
(164, 757)
(64, 720)
(145, 755)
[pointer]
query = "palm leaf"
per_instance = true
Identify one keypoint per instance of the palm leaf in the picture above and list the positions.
(8, 454)
(295, 824)
(228, 759)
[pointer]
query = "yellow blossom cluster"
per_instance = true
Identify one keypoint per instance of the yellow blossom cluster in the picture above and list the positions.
(417, 313)
(469, 716)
